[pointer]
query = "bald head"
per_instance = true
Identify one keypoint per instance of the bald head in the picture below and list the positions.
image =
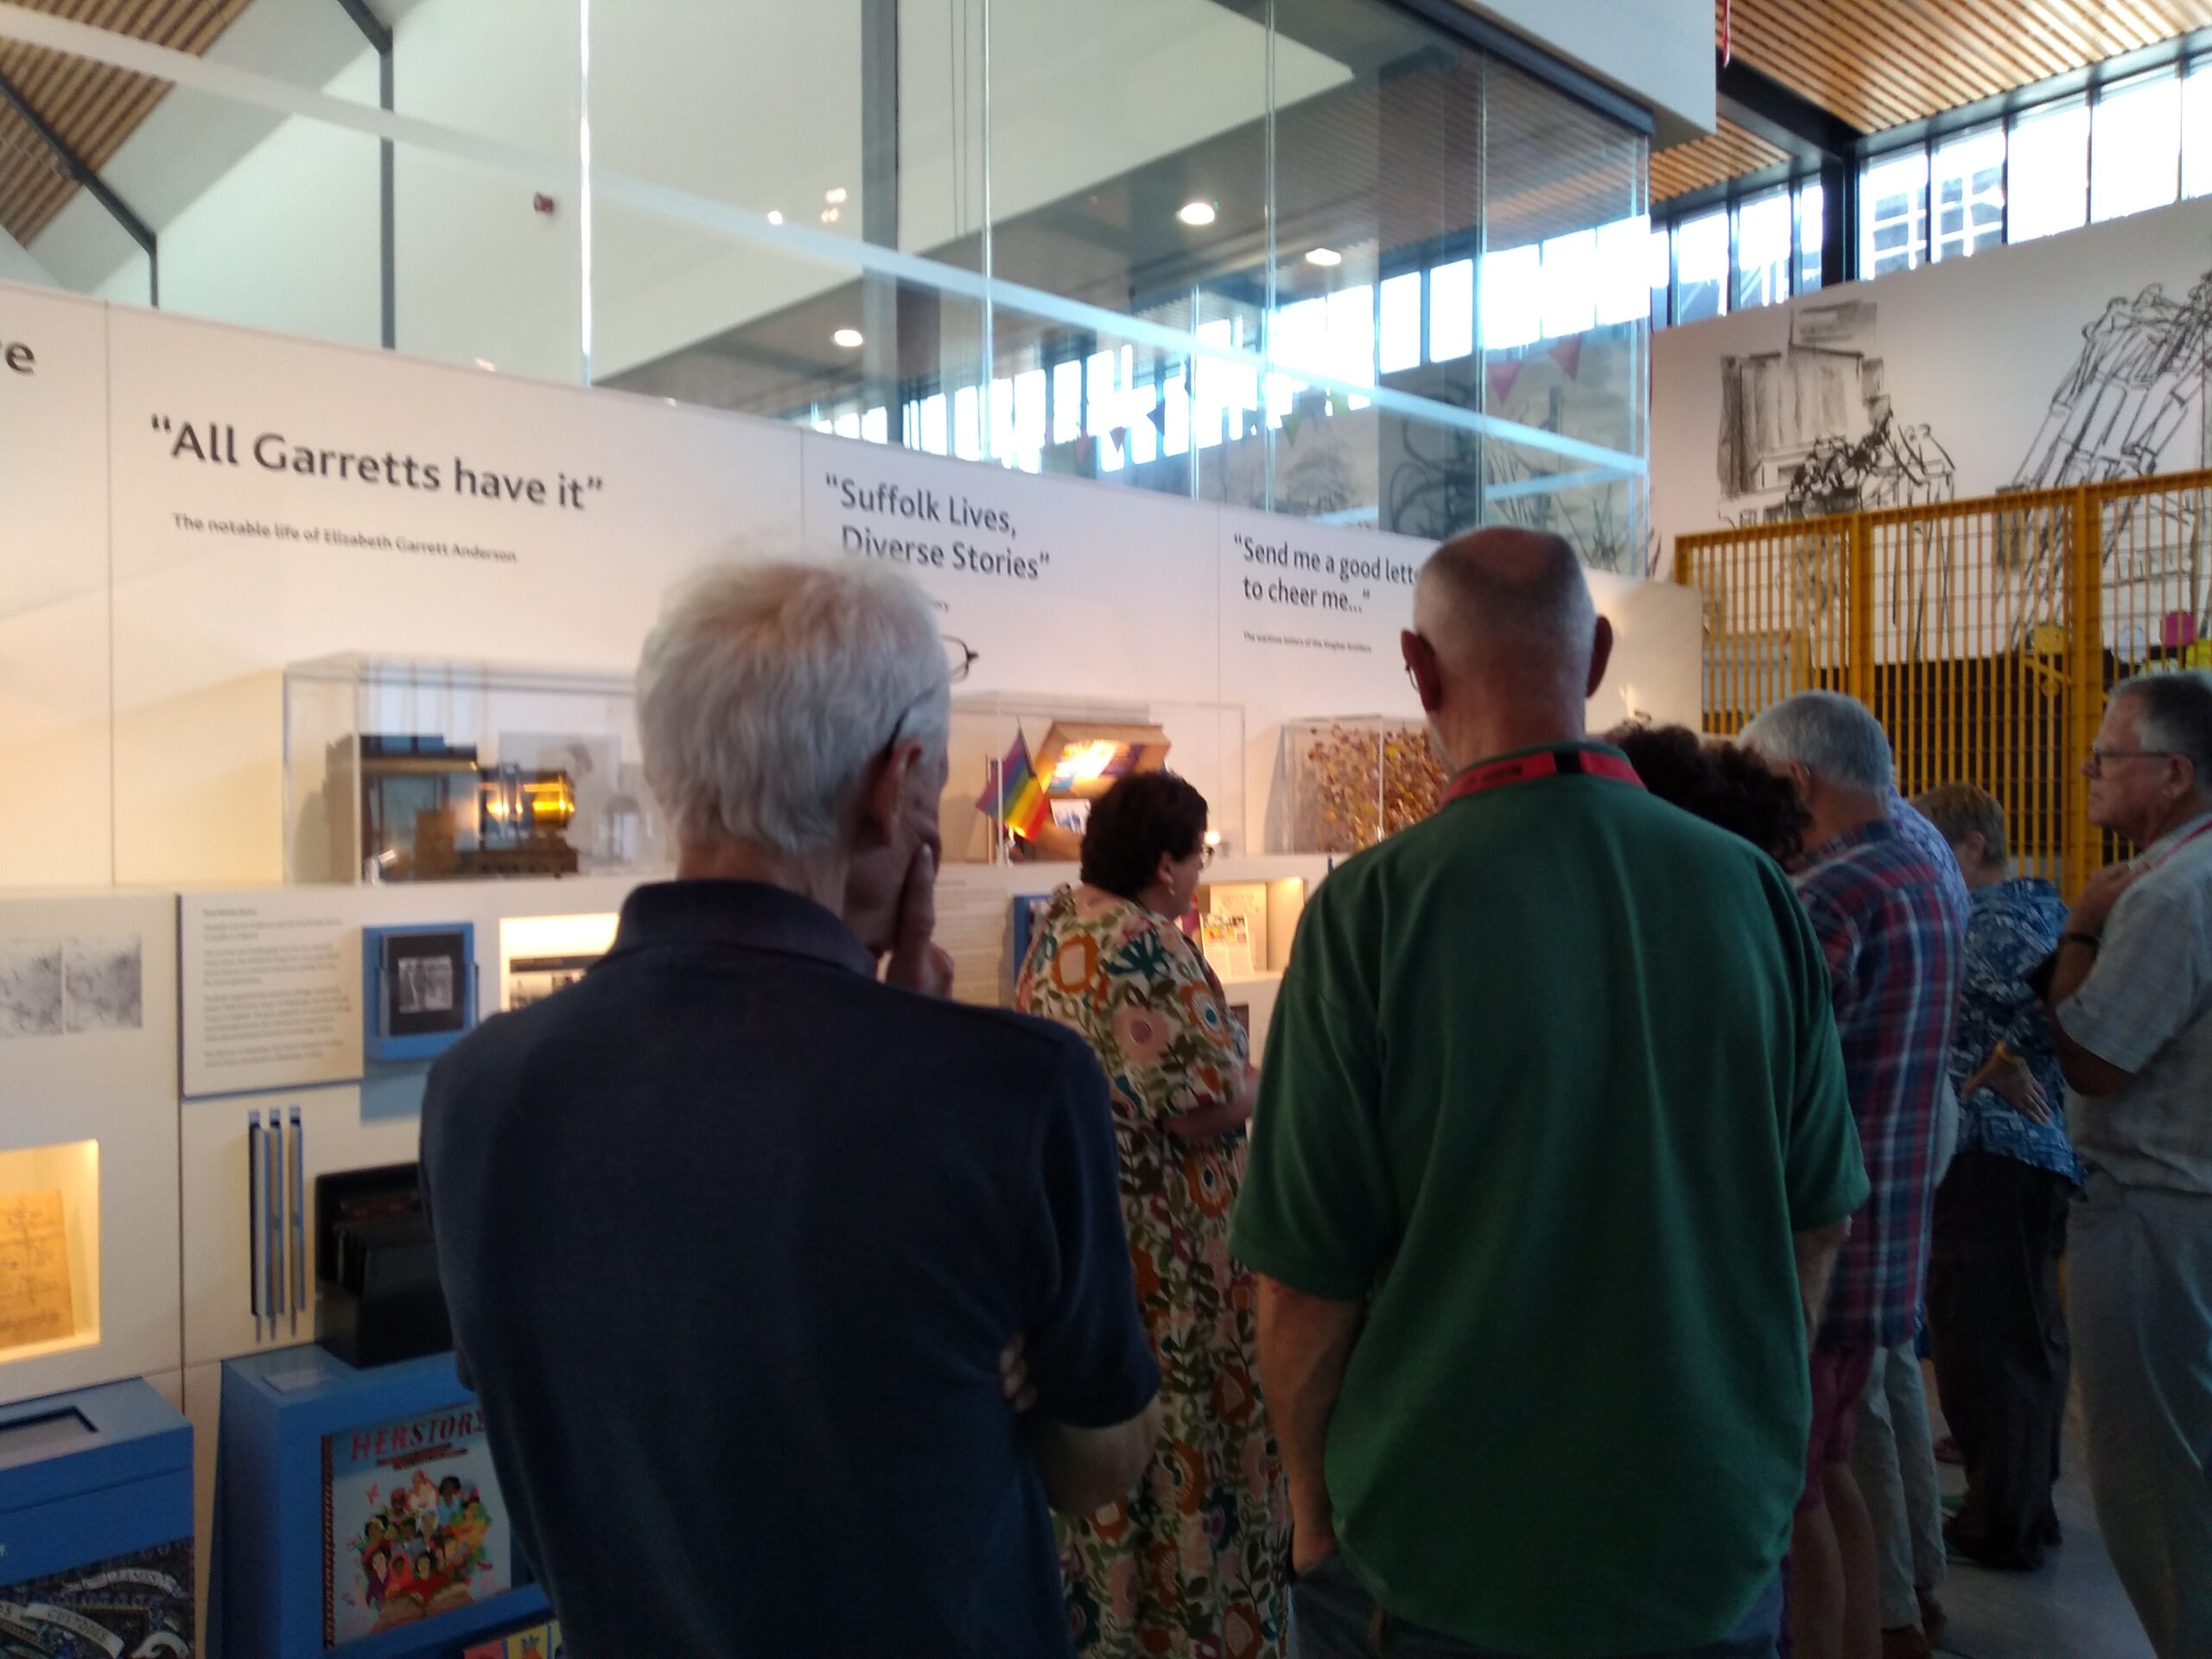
(1508, 605)
(1507, 647)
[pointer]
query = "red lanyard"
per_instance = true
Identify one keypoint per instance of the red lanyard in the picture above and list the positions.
(2166, 857)
(1544, 763)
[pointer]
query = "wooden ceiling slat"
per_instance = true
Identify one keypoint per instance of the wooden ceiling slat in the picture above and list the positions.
(1825, 63)
(1900, 80)
(93, 106)
(1880, 64)
(2001, 55)
(2044, 53)
(1727, 153)
(94, 117)
(1875, 35)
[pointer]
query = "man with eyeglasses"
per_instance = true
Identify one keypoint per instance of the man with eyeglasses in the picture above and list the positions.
(795, 1292)
(2130, 989)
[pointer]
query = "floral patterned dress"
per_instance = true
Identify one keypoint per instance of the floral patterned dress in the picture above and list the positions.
(1195, 1564)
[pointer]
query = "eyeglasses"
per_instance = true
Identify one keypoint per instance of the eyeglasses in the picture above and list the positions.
(959, 658)
(2099, 755)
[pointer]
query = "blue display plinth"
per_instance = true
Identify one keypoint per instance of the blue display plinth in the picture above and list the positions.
(96, 1524)
(326, 1477)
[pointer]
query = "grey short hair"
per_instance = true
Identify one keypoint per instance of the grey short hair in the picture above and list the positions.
(2176, 707)
(765, 690)
(1831, 735)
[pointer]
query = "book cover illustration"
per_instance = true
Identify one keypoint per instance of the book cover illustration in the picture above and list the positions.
(413, 1523)
(134, 1607)
(531, 1641)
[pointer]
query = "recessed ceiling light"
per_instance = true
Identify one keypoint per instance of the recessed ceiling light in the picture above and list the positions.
(489, 367)
(829, 215)
(1323, 256)
(850, 339)
(775, 216)
(1196, 212)
(835, 198)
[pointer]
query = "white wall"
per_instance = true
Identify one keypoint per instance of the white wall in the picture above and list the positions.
(189, 140)
(1658, 52)
(1976, 351)
(16, 264)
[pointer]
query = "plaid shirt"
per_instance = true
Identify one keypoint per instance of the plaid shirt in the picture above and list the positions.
(1892, 923)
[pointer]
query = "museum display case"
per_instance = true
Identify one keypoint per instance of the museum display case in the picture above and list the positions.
(95, 1508)
(1024, 770)
(328, 1468)
(539, 955)
(88, 1169)
(1348, 782)
(400, 769)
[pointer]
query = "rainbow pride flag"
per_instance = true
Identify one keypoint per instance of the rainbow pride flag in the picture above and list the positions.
(1011, 792)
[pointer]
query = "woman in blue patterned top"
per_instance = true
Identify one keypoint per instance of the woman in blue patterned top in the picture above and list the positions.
(1997, 1330)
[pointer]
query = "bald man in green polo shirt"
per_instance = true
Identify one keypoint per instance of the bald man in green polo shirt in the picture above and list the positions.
(1552, 1159)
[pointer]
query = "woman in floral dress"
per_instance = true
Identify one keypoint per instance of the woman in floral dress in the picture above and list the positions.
(1194, 1564)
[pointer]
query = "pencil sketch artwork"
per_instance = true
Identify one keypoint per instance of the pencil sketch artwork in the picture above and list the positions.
(30, 988)
(104, 984)
(2132, 404)
(1809, 429)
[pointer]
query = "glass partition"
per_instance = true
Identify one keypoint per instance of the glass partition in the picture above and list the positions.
(1311, 256)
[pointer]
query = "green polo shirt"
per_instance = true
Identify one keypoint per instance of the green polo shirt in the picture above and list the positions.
(1552, 1082)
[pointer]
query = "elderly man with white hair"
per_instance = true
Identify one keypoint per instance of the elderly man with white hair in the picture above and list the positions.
(794, 1295)
(1889, 907)
(2131, 993)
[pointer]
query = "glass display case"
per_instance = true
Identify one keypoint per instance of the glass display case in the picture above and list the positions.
(1348, 781)
(49, 1249)
(540, 955)
(1025, 770)
(400, 770)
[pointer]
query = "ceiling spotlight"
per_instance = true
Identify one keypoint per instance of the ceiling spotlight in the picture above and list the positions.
(1323, 256)
(851, 338)
(1195, 213)
(487, 366)
(835, 198)
(1213, 838)
(775, 216)
(829, 215)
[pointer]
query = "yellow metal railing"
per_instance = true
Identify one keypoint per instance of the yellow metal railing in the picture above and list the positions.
(1985, 634)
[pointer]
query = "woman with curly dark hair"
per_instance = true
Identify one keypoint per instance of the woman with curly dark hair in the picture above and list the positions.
(1719, 783)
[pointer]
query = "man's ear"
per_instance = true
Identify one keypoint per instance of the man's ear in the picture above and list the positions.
(884, 797)
(1601, 654)
(1421, 663)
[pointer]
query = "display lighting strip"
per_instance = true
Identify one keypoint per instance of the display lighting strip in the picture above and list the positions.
(221, 80)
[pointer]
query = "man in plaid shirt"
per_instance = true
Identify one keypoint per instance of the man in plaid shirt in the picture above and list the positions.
(1888, 905)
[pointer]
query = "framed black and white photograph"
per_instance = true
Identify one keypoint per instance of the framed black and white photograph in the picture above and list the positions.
(421, 989)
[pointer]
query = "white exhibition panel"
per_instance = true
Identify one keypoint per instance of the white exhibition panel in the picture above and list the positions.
(54, 822)
(88, 1047)
(275, 500)
(1060, 585)
(358, 1122)
(495, 520)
